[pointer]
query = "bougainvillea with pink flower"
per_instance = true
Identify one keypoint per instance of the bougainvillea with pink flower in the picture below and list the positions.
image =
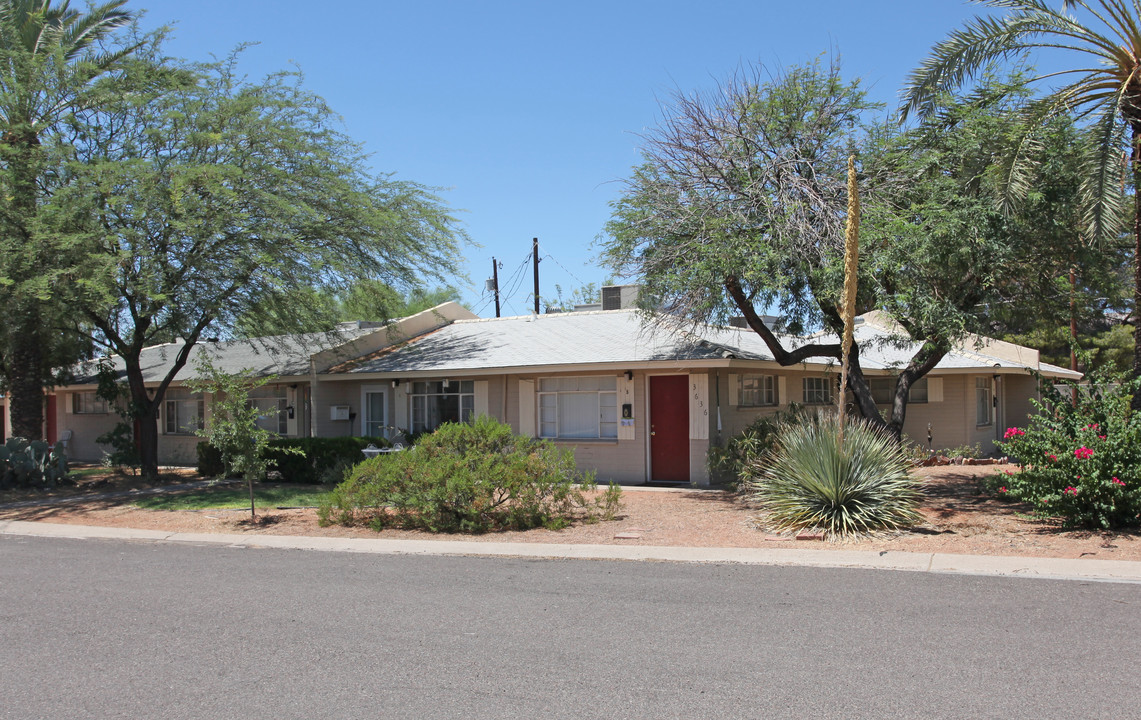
(1077, 461)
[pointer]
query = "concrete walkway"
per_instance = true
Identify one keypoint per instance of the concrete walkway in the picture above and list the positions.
(1051, 568)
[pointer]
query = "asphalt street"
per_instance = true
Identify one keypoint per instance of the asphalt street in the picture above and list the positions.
(116, 629)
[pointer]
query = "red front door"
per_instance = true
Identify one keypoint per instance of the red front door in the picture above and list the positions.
(669, 428)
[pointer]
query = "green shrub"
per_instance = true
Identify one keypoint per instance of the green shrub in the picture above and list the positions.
(810, 481)
(473, 477)
(1081, 464)
(321, 458)
(744, 449)
(209, 460)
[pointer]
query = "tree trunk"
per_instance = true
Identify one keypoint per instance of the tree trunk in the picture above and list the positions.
(25, 336)
(144, 403)
(144, 409)
(148, 442)
(25, 362)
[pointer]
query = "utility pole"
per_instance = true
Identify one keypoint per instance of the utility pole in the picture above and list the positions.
(1073, 329)
(495, 284)
(535, 256)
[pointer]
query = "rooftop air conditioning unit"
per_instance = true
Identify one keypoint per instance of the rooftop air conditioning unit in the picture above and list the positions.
(619, 297)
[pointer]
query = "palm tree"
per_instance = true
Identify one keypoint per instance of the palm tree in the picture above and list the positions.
(1103, 85)
(48, 61)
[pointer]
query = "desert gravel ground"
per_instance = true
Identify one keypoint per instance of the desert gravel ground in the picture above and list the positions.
(961, 518)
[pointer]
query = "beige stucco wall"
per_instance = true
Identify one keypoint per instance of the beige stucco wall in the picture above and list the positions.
(952, 420)
(327, 394)
(84, 427)
(172, 449)
(949, 419)
(622, 461)
(625, 460)
(1017, 394)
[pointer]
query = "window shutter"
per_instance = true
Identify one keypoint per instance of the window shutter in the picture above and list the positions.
(527, 408)
(698, 407)
(782, 390)
(934, 389)
(480, 398)
(69, 403)
(734, 390)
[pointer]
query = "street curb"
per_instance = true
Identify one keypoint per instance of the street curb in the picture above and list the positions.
(1125, 571)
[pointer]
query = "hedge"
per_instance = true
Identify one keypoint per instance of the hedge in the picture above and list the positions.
(323, 456)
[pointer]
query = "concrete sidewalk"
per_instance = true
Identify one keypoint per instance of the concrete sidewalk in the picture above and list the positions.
(1046, 568)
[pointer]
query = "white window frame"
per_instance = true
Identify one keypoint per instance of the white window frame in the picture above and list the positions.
(88, 402)
(368, 422)
(762, 394)
(418, 415)
(984, 397)
(813, 386)
(917, 394)
(271, 401)
(180, 409)
(605, 400)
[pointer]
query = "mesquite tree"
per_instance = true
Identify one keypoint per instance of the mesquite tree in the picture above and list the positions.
(739, 209)
(200, 196)
(1102, 82)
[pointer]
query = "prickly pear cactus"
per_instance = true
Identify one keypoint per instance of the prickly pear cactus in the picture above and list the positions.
(6, 479)
(26, 464)
(55, 470)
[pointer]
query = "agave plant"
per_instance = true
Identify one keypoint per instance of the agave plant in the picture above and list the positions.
(854, 486)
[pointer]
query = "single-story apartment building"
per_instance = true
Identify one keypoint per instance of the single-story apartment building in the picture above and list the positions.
(637, 402)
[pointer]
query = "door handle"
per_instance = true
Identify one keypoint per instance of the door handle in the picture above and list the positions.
(653, 433)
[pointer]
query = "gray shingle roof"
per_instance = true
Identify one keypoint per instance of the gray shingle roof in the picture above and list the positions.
(620, 337)
(283, 355)
(614, 336)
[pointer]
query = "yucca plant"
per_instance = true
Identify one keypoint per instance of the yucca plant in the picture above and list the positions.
(814, 480)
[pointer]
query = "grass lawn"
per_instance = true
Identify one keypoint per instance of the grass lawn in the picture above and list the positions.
(235, 497)
(86, 472)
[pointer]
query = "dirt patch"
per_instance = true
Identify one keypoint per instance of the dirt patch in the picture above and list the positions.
(961, 518)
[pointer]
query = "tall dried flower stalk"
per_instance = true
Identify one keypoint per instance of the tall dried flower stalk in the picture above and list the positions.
(851, 265)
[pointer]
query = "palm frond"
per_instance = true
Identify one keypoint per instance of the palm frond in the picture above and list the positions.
(83, 31)
(1017, 167)
(1104, 177)
(984, 40)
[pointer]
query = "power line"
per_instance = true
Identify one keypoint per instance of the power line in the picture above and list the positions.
(483, 307)
(517, 277)
(564, 267)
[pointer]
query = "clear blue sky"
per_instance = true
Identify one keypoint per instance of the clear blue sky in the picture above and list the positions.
(527, 114)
